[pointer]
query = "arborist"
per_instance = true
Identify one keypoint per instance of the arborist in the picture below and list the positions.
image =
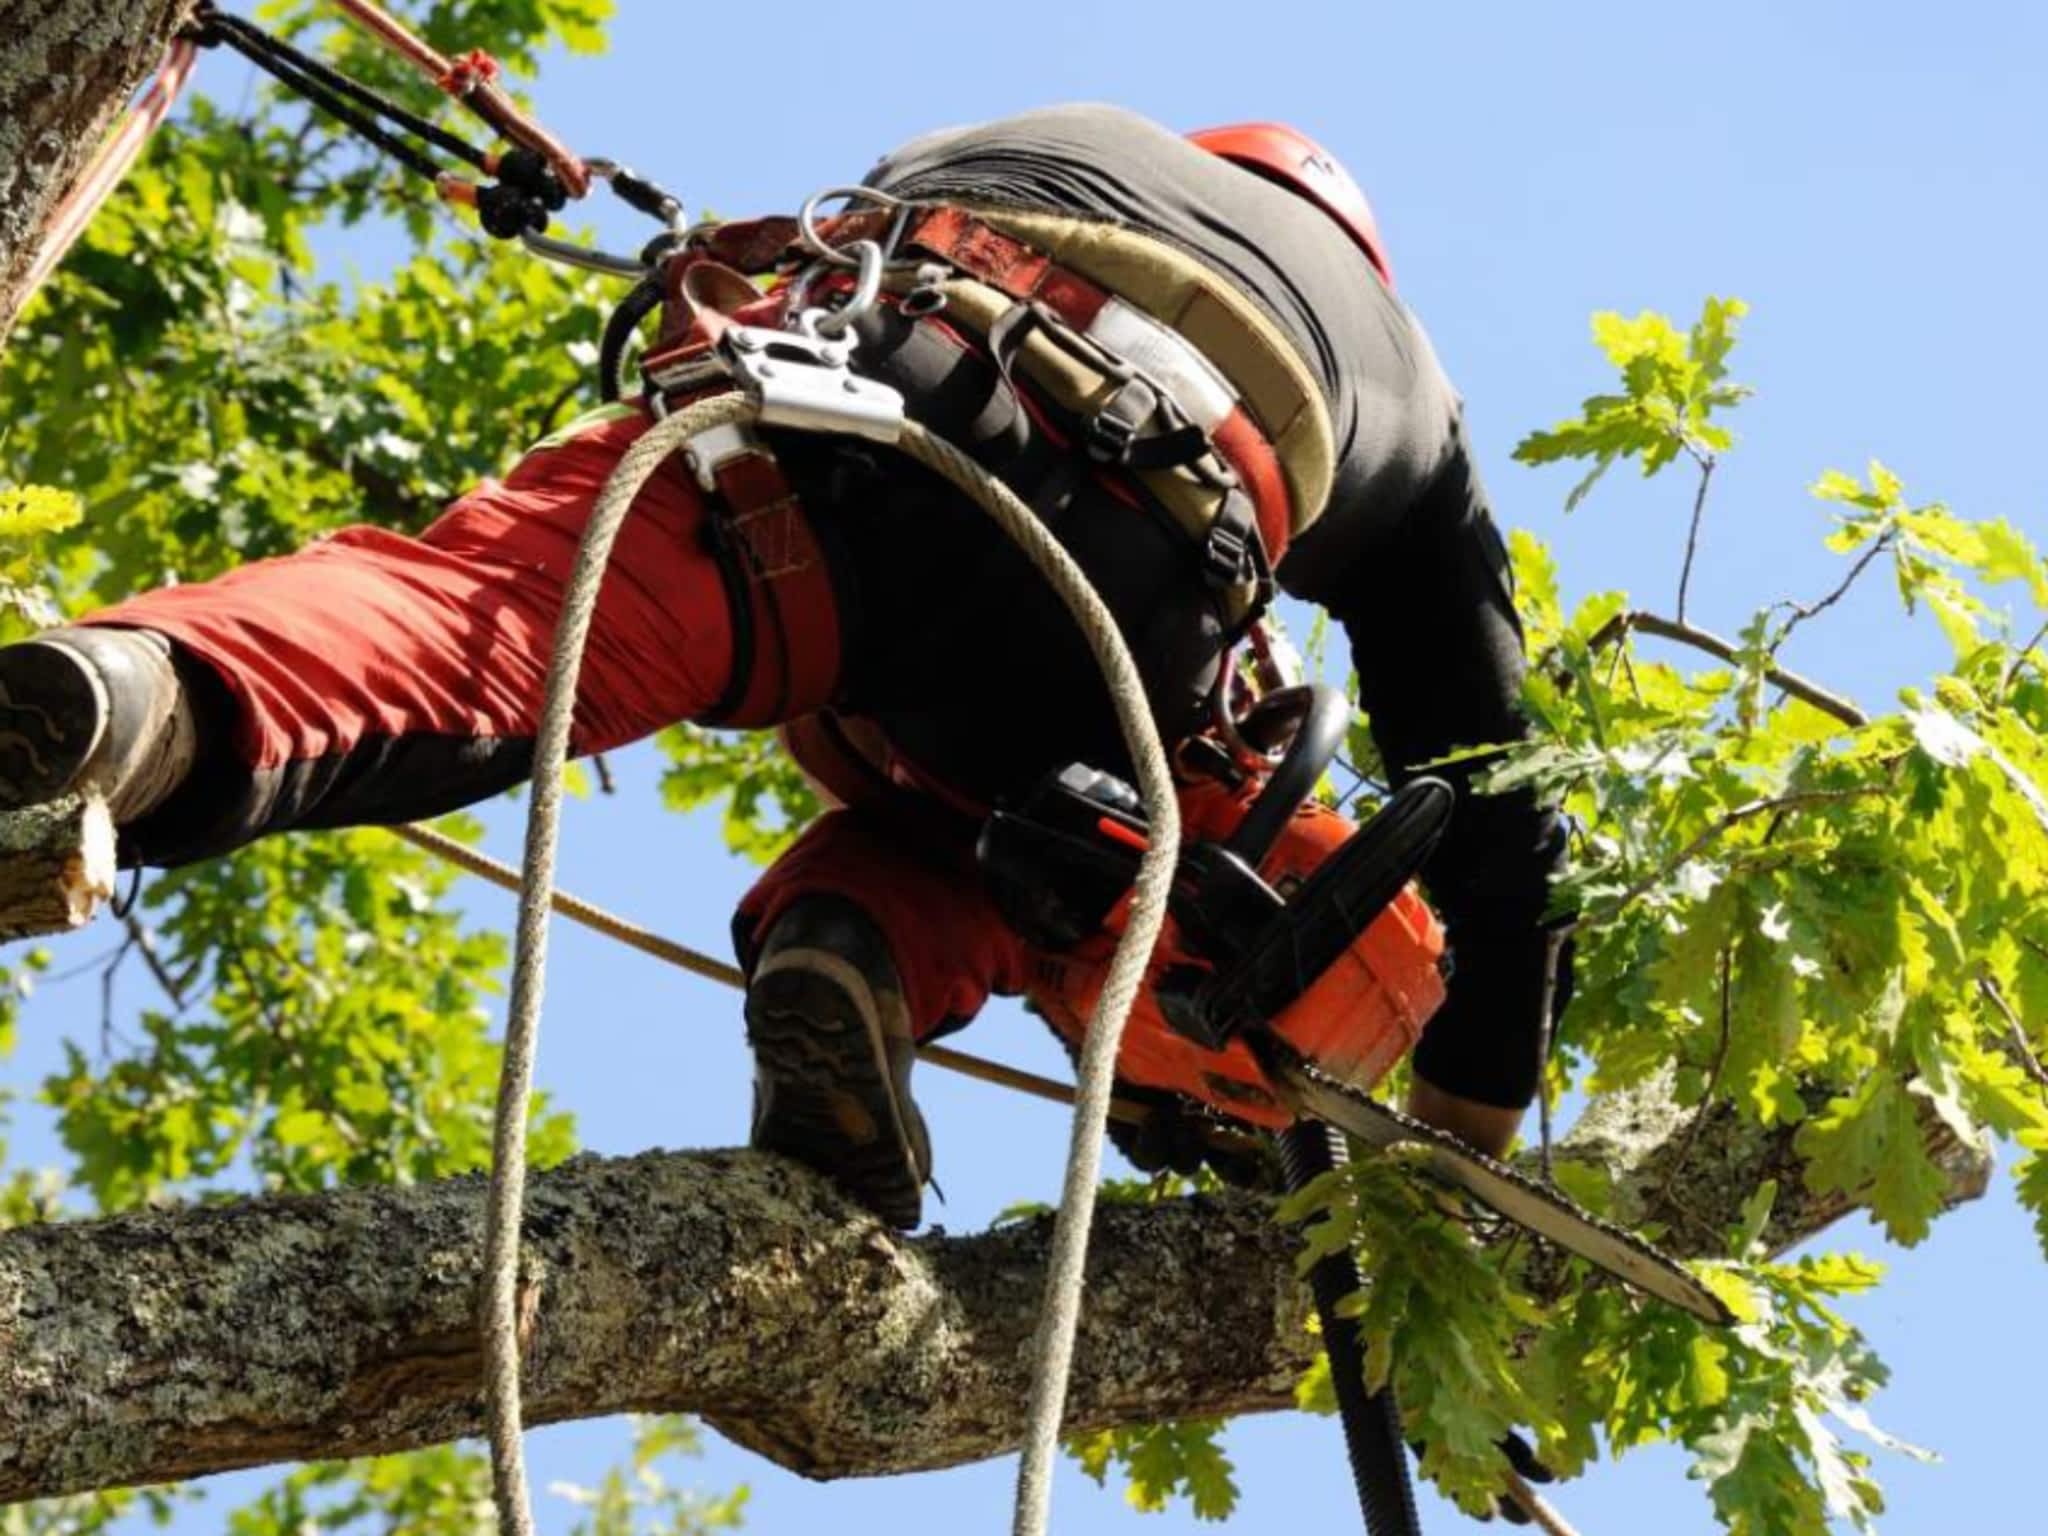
(1186, 354)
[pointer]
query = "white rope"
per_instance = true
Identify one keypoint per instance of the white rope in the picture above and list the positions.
(1053, 1348)
(529, 965)
(1060, 1311)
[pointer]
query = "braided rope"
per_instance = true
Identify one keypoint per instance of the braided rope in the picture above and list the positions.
(1053, 1347)
(529, 966)
(1060, 1312)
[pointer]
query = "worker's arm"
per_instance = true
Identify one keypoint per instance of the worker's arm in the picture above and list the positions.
(1429, 612)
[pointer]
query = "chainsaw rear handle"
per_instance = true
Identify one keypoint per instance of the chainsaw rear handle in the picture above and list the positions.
(1324, 716)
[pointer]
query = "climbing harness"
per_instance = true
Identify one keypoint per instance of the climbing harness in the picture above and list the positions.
(784, 384)
(1146, 364)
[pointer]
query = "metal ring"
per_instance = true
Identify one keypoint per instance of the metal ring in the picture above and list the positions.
(867, 288)
(807, 220)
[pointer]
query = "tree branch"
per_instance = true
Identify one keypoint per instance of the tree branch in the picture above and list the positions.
(1774, 805)
(56, 866)
(1706, 463)
(1622, 625)
(1801, 612)
(66, 67)
(1634, 1135)
(171, 1344)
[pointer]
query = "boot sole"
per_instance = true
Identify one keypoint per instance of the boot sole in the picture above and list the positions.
(53, 712)
(818, 1041)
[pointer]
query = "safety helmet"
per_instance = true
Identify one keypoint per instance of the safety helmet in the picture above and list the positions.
(1298, 163)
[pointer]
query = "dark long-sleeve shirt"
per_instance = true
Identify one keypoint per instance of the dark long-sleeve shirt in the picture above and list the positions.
(1405, 555)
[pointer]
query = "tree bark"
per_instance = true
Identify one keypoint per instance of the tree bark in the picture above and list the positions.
(169, 1344)
(1692, 1181)
(56, 866)
(66, 67)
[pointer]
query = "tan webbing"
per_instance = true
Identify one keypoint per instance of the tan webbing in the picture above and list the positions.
(1225, 325)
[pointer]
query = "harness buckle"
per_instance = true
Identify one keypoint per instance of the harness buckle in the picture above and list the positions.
(1230, 553)
(802, 380)
(1113, 426)
(709, 452)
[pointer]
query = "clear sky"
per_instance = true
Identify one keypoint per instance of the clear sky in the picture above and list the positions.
(1868, 177)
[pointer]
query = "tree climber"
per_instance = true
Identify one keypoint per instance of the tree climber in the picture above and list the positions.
(1185, 354)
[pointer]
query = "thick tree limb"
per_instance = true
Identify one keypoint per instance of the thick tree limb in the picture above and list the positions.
(66, 67)
(171, 1344)
(1638, 1136)
(164, 1345)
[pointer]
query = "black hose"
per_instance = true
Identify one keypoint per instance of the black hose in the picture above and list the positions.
(1372, 1420)
(641, 301)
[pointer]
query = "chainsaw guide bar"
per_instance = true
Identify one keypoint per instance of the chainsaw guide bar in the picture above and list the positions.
(1544, 1211)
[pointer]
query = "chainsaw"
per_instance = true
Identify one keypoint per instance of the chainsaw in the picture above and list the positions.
(1300, 963)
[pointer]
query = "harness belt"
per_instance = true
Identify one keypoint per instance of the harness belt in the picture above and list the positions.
(1227, 434)
(1172, 375)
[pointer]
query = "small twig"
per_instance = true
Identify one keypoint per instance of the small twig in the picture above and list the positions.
(1537, 1508)
(1801, 612)
(1741, 813)
(1628, 664)
(1706, 463)
(2017, 1029)
(1692, 1130)
(2019, 659)
(78, 970)
(1820, 698)
(1553, 954)
(107, 1030)
(145, 941)
(553, 412)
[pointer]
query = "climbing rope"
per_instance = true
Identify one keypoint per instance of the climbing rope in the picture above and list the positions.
(1054, 1343)
(697, 963)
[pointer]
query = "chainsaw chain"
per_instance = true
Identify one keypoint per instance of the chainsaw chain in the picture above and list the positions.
(1415, 1132)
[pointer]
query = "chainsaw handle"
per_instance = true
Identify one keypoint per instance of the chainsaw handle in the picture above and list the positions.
(1325, 718)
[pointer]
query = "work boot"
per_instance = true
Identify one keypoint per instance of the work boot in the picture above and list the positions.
(93, 709)
(832, 1054)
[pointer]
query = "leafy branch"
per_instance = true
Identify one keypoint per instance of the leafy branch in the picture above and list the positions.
(1638, 621)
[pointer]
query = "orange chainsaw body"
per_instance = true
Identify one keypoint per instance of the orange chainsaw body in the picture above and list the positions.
(1360, 1017)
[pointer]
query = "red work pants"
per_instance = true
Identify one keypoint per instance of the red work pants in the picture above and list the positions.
(375, 678)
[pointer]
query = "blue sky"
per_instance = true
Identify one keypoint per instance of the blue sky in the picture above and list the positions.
(1867, 176)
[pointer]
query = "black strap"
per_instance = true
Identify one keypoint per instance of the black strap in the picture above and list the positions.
(526, 191)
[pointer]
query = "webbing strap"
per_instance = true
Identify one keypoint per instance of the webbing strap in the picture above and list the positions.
(1023, 273)
(786, 618)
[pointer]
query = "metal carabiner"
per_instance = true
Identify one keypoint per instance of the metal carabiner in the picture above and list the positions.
(867, 288)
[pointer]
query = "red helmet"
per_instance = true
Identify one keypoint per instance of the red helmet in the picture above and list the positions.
(1304, 167)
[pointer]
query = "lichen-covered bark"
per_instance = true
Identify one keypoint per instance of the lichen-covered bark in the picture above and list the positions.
(56, 866)
(1693, 1184)
(167, 1344)
(66, 66)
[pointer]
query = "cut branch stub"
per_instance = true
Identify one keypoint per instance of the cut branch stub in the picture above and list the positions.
(56, 866)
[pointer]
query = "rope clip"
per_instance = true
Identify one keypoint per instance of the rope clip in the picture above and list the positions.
(801, 379)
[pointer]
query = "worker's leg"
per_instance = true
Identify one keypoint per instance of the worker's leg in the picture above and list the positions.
(375, 678)
(869, 935)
